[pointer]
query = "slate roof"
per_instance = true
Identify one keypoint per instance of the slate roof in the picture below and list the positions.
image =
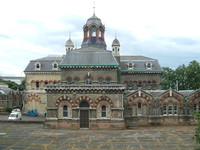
(94, 19)
(139, 64)
(89, 56)
(5, 90)
(46, 63)
(157, 93)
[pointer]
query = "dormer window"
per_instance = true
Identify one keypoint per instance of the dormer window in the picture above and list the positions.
(149, 66)
(54, 66)
(37, 66)
(130, 65)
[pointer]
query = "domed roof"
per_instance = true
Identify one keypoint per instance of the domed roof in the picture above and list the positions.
(69, 43)
(115, 42)
(94, 19)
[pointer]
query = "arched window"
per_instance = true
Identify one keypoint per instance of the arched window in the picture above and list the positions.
(88, 80)
(88, 34)
(65, 111)
(149, 66)
(93, 33)
(76, 80)
(69, 80)
(55, 66)
(108, 79)
(37, 84)
(103, 111)
(170, 109)
(37, 66)
(93, 29)
(99, 33)
(139, 109)
(100, 80)
(130, 65)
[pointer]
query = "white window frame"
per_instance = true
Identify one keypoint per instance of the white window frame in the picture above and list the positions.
(104, 111)
(196, 108)
(130, 65)
(170, 107)
(37, 66)
(53, 66)
(149, 65)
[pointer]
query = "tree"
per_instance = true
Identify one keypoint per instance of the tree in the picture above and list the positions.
(14, 85)
(197, 130)
(168, 78)
(193, 75)
(182, 78)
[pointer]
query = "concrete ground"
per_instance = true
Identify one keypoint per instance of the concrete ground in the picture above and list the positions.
(17, 136)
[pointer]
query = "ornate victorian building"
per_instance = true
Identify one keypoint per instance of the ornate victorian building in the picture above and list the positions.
(92, 87)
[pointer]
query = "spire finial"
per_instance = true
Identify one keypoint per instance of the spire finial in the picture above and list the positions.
(115, 34)
(93, 7)
(69, 34)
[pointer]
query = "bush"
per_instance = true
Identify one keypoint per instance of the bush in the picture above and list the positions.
(8, 109)
(197, 130)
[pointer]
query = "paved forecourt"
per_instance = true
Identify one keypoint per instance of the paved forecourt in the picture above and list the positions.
(34, 136)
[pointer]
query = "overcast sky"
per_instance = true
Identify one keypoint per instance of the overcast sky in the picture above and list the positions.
(167, 30)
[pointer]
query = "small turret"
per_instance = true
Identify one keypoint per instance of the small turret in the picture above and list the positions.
(69, 45)
(116, 47)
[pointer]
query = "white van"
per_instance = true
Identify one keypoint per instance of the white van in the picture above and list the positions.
(15, 116)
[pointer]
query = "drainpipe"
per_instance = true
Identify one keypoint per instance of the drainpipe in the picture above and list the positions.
(123, 105)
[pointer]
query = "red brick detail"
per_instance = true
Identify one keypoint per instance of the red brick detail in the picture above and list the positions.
(101, 98)
(33, 97)
(195, 99)
(83, 98)
(147, 101)
(166, 95)
(63, 98)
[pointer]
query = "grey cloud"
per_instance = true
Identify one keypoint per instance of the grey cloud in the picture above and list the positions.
(185, 41)
(5, 36)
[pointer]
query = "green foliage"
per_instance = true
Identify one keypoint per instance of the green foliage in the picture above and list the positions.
(14, 85)
(197, 130)
(182, 78)
(8, 109)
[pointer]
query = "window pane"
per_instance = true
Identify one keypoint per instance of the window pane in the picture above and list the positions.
(139, 105)
(165, 110)
(170, 109)
(175, 110)
(65, 111)
(103, 111)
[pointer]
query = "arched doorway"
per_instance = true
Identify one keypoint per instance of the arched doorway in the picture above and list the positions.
(84, 114)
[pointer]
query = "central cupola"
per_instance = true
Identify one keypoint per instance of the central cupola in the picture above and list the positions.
(94, 33)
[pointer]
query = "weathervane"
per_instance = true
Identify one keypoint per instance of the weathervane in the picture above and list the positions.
(94, 7)
(69, 34)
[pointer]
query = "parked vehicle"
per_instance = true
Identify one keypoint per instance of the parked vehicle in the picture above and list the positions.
(15, 116)
(16, 110)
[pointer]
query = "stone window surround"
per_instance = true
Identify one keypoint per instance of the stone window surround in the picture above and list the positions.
(38, 66)
(149, 65)
(170, 109)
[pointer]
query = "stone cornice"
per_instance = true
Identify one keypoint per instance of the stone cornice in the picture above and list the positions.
(142, 71)
(85, 66)
(84, 87)
(42, 72)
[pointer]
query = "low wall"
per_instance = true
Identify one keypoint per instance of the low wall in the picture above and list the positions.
(93, 124)
(159, 120)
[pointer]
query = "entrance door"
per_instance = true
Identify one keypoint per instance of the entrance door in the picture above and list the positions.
(84, 118)
(84, 114)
